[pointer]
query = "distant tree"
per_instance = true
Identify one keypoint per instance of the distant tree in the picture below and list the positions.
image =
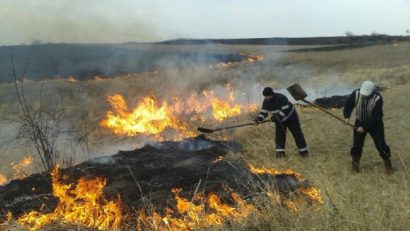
(37, 42)
(349, 34)
(408, 32)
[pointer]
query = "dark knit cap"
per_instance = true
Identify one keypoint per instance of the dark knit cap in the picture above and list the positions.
(267, 91)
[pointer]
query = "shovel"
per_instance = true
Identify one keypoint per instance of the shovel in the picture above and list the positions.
(208, 130)
(298, 93)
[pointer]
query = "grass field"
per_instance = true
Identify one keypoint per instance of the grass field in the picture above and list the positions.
(369, 200)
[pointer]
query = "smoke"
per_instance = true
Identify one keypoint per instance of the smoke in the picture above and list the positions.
(74, 22)
(105, 160)
(183, 70)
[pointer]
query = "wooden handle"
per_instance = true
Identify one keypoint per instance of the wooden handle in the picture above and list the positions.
(329, 113)
(240, 125)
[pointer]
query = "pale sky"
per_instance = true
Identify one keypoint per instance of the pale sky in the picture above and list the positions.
(116, 21)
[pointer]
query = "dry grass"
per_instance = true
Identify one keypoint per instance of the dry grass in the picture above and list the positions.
(369, 200)
(366, 201)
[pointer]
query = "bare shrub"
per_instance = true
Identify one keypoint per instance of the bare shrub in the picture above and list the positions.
(42, 123)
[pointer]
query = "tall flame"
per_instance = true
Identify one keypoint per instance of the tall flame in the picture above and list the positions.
(146, 118)
(83, 205)
(222, 109)
(151, 117)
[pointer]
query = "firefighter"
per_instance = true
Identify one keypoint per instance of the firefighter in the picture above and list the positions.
(285, 117)
(369, 119)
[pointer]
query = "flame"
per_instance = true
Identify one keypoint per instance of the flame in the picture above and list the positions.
(147, 118)
(273, 171)
(255, 58)
(3, 179)
(82, 205)
(71, 79)
(219, 158)
(223, 109)
(291, 205)
(151, 117)
(23, 168)
(98, 78)
(249, 59)
(311, 192)
(200, 212)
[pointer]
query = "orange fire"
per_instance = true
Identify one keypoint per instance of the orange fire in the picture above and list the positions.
(3, 179)
(151, 117)
(255, 58)
(71, 79)
(23, 168)
(249, 59)
(223, 108)
(273, 171)
(311, 192)
(200, 212)
(98, 78)
(147, 118)
(82, 205)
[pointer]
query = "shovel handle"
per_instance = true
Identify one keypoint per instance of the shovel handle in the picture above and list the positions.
(239, 125)
(326, 111)
(208, 130)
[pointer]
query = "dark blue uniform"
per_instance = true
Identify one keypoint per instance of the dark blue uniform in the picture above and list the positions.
(285, 117)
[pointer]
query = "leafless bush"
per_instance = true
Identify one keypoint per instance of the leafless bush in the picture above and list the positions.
(41, 123)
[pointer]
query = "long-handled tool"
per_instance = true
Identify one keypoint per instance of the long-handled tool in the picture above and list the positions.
(298, 93)
(208, 130)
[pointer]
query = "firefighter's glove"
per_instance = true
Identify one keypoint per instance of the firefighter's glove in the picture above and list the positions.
(256, 121)
(275, 119)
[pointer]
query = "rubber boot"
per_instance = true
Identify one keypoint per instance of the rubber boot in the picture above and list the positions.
(355, 163)
(280, 155)
(388, 166)
(304, 154)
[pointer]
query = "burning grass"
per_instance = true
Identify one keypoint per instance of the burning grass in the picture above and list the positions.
(19, 170)
(199, 212)
(3, 179)
(84, 203)
(151, 117)
(81, 204)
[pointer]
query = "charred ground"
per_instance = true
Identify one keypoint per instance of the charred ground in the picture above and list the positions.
(194, 165)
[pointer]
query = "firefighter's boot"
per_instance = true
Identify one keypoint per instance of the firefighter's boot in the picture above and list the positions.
(280, 154)
(388, 166)
(355, 163)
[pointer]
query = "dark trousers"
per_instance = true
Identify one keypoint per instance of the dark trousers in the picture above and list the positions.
(377, 133)
(293, 124)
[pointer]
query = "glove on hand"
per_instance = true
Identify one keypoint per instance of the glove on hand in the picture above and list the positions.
(257, 120)
(275, 119)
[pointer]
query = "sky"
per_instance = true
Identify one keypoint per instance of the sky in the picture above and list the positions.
(117, 21)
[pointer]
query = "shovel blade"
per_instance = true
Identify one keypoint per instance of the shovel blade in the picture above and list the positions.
(297, 92)
(205, 130)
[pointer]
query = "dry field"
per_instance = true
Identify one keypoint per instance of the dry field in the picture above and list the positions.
(369, 200)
